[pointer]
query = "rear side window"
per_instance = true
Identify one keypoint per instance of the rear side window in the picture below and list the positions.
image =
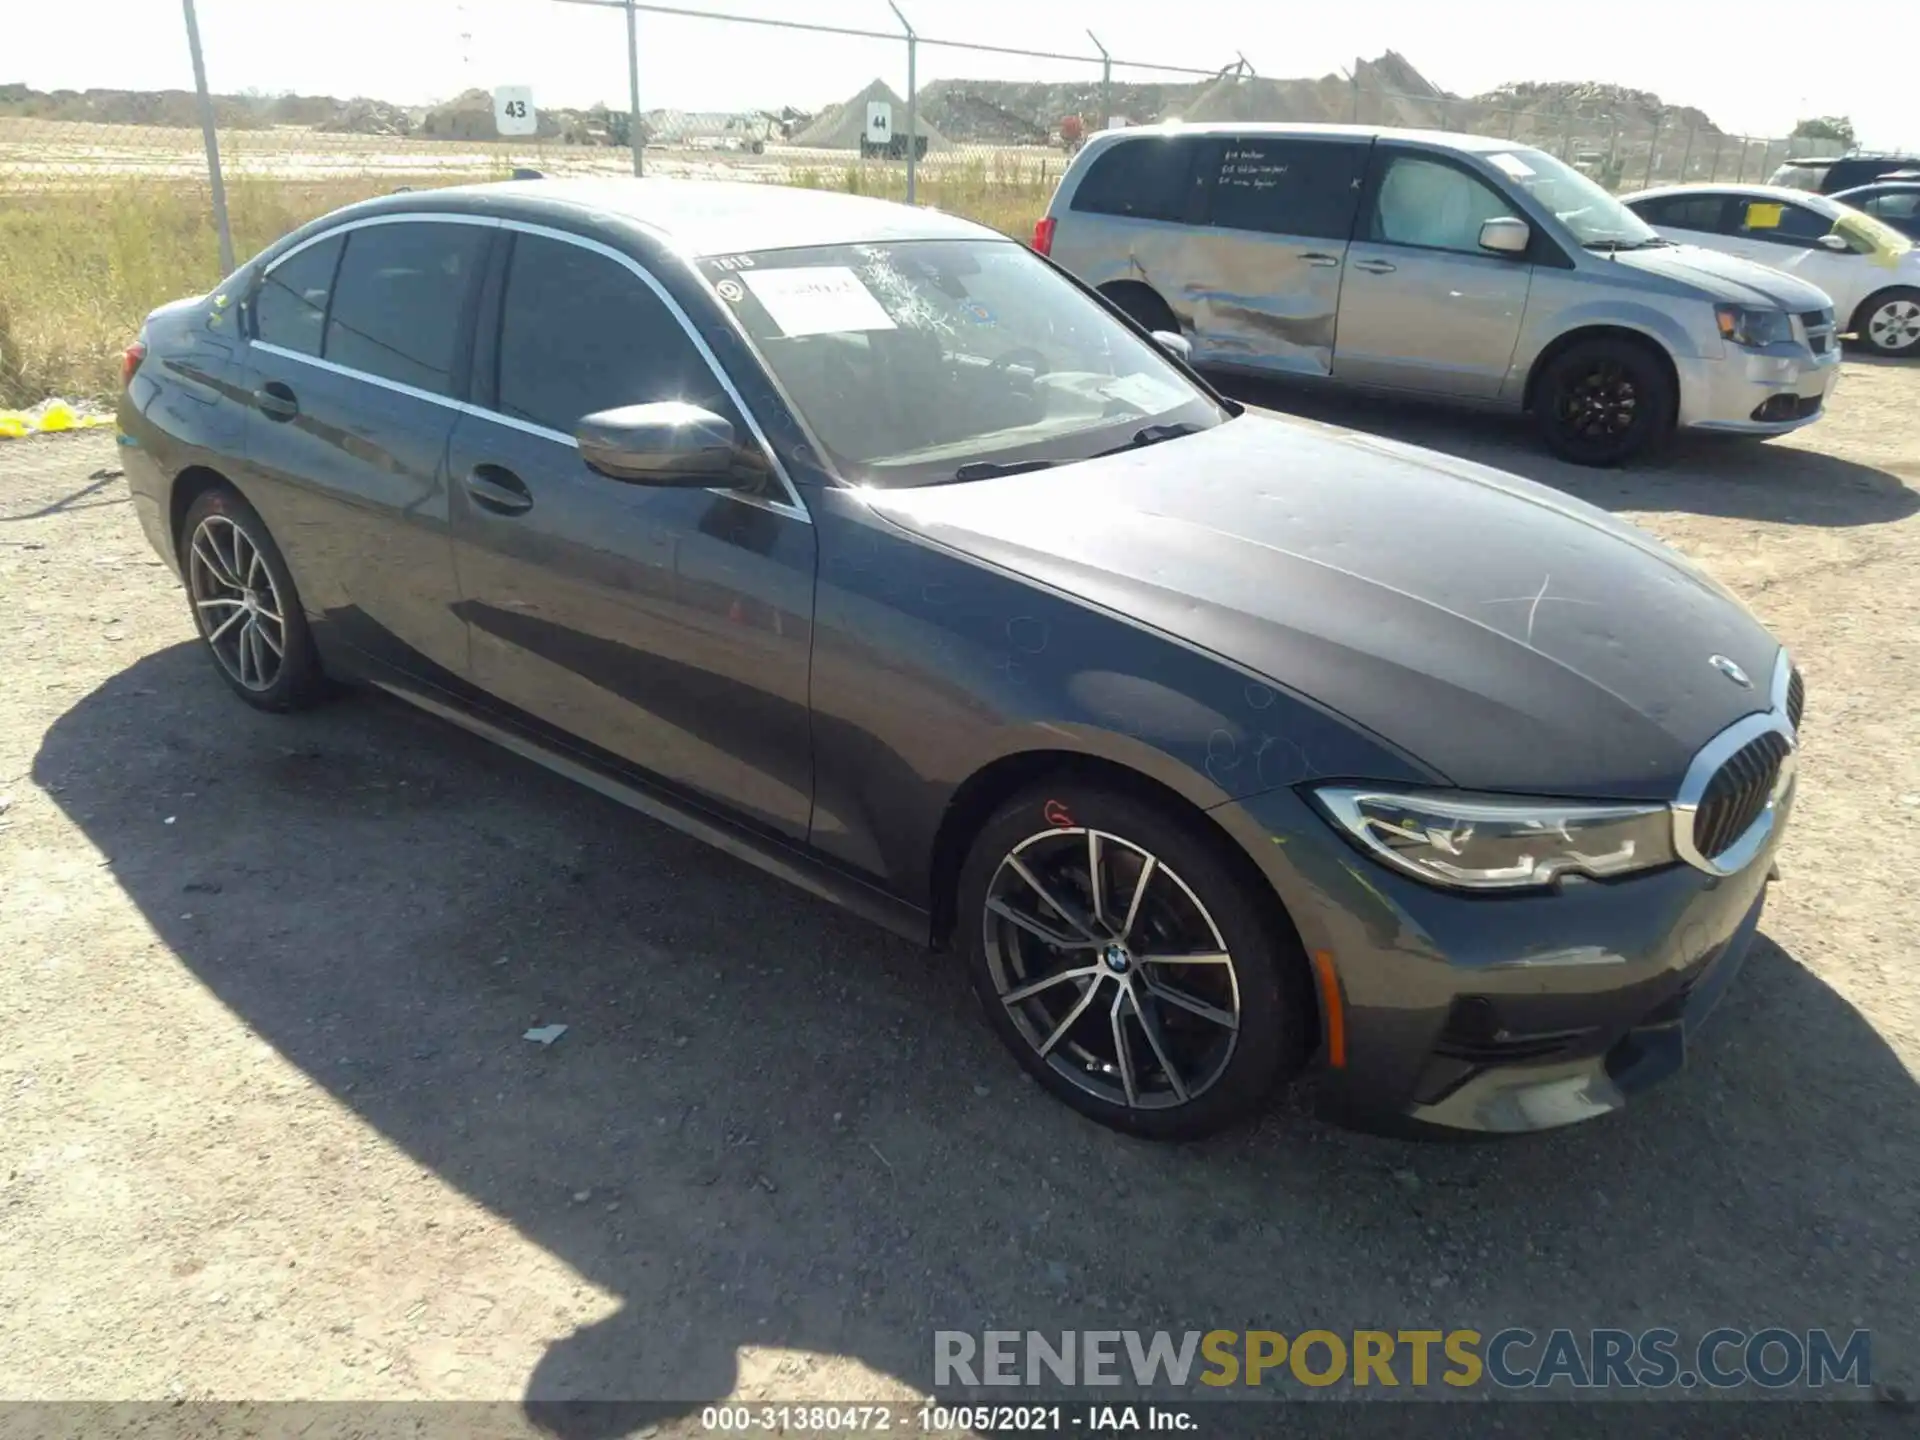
(1894, 205)
(1288, 187)
(1684, 212)
(580, 332)
(399, 301)
(1433, 205)
(290, 306)
(1151, 178)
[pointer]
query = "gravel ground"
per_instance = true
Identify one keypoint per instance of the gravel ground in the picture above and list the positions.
(271, 1130)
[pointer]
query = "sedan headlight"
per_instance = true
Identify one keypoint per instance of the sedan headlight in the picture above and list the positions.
(1746, 326)
(1493, 842)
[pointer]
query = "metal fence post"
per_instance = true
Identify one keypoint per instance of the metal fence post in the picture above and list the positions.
(212, 141)
(913, 127)
(1686, 160)
(636, 127)
(1713, 167)
(1106, 81)
(1740, 175)
(1653, 146)
(1355, 117)
(1566, 139)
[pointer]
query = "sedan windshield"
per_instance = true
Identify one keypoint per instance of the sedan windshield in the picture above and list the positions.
(1581, 204)
(930, 361)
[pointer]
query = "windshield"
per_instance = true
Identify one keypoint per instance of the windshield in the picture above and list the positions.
(937, 360)
(1593, 216)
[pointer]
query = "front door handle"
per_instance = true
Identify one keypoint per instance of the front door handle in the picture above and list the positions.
(498, 489)
(1376, 267)
(276, 401)
(1324, 261)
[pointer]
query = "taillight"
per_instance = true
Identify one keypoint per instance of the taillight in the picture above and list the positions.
(1043, 235)
(130, 361)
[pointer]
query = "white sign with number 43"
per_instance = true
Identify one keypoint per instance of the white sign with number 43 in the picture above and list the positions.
(513, 112)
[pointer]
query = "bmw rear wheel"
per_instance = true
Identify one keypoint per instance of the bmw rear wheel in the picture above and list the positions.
(1129, 964)
(245, 605)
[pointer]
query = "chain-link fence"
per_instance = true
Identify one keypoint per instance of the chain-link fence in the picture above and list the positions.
(109, 205)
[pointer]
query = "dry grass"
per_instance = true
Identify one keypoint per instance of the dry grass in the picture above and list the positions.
(80, 267)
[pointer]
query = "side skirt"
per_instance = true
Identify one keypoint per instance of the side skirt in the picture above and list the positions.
(786, 862)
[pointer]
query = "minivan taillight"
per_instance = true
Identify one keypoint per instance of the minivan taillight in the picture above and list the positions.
(1043, 235)
(130, 361)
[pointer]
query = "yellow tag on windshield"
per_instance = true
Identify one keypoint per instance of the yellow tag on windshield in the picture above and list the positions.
(1761, 216)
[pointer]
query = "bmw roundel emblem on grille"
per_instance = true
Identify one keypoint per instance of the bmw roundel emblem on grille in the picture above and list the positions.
(1732, 671)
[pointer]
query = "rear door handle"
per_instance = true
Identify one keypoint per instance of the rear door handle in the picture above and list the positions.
(1375, 267)
(276, 401)
(498, 489)
(1315, 257)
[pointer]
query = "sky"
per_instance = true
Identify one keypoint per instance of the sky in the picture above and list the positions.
(1731, 58)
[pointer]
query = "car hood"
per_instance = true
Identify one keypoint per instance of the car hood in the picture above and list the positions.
(1727, 277)
(1509, 637)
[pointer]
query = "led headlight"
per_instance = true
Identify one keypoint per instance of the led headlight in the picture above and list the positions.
(1495, 842)
(1744, 325)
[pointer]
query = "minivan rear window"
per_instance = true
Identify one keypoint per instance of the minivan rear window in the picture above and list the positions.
(1146, 178)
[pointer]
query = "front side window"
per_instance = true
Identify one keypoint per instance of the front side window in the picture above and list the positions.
(399, 300)
(1433, 205)
(1780, 222)
(579, 333)
(1149, 178)
(1288, 187)
(290, 307)
(911, 362)
(1590, 213)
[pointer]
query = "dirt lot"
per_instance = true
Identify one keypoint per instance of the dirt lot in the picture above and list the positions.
(271, 1131)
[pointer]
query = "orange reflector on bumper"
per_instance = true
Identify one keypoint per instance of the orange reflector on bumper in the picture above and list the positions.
(1335, 1011)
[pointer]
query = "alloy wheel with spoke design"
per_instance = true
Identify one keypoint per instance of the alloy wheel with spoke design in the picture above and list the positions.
(240, 609)
(1894, 327)
(1111, 968)
(1601, 404)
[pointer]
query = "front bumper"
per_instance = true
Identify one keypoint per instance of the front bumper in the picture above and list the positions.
(1483, 1013)
(1758, 392)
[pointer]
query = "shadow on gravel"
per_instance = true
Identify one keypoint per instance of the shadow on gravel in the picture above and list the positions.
(1697, 474)
(791, 1132)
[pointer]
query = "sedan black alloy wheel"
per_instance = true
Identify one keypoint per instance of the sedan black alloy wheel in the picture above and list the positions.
(1111, 968)
(241, 612)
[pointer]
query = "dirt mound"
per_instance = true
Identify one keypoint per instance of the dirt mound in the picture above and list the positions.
(843, 127)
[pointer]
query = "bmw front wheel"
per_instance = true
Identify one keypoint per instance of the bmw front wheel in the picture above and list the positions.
(1129, 964)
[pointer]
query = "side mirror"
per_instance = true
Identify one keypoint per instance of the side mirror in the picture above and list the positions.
(1835, 242)
(668, 443)
(1175, 344)
(1506, 236)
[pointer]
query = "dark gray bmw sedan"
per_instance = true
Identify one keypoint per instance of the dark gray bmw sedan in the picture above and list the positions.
(868, 546)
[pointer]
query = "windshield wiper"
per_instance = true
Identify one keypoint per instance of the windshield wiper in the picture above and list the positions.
(994, 469)
(1652, 242)
(1153, 435)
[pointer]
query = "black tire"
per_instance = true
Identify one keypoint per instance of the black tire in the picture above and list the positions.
(1142, 306)
(1229, 1074)
(226, 597)
(1897, 313)
(1604, 401)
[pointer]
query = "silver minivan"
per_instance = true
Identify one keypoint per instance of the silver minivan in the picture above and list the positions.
(1452, 266)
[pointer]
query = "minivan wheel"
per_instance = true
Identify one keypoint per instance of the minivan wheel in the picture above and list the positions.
(245, 605)
(1128, 965)
(1889, 323)
(1143, 306)
(1601, 402)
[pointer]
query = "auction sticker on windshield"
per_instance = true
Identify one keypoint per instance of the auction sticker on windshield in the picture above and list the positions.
(816, 300)
(1513, 165)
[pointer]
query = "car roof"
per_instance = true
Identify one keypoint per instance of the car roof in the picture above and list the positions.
(697, 217)
(1448, 139)
(1885, 182)
(1823, 203)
